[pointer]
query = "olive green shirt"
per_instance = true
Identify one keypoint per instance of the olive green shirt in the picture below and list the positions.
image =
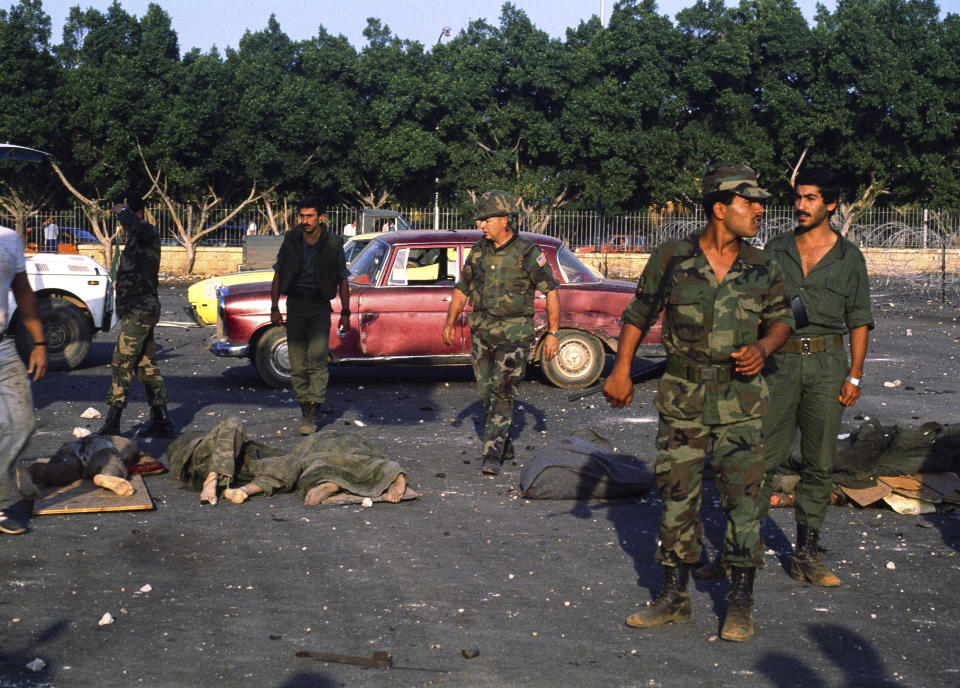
(836, 293)
(705, 321)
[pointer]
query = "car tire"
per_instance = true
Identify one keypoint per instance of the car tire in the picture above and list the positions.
(271, 358)
(66, 328)
(578, 363)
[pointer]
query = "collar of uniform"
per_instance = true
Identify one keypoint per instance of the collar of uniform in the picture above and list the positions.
(505, 244)
(840, 247)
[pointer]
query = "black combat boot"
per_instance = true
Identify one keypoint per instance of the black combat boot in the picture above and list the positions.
(308, 421)
(672, 605)
(160, 423)
(806, 564)
(111, 426)
(739, 622)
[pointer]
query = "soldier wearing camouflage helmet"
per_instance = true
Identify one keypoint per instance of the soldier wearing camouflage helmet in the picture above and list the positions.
(138, 308)
(499, 279)
(716, 291)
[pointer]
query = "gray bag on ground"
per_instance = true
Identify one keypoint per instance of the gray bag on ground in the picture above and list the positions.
(583, 466)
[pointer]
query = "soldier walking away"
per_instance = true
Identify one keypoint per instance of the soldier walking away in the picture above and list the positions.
(16, 401)
(138, 308)
(715, 290)
(811, 379)
(310, 271)
(500, 278)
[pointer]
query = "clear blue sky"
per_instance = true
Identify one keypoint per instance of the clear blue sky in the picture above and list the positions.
(205, 23)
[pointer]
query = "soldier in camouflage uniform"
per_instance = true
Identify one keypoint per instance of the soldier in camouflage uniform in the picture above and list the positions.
(711, 398)
(499, 279)
(138, 308)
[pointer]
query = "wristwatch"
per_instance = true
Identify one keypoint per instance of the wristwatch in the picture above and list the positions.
(855, 381)
(555, 333)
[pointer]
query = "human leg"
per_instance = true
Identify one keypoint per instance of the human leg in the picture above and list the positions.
(780, 420)
(16, 424)
(505, 365)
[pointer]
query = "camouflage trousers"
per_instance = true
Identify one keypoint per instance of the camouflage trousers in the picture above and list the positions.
(137, 351)
(498, 369)
(736, 451)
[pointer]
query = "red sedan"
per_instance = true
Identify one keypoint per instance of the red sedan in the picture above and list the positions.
(400, 288)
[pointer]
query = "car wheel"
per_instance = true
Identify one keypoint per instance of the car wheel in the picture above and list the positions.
(578, 363)
(66, 328)
(272, 359)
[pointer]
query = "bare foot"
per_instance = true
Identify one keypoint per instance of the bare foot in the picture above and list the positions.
(239, 495)
(395, 492)
(209, 493)
(118, 486)
(318, 494)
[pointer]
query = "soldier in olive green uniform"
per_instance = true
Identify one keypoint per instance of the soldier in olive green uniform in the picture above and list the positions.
(811, 378)
(499, 278)
(718, 290)
(138, 308)
(310, 270)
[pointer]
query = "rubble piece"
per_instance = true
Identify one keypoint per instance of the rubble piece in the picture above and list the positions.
(911, 494)
(36, 665)
(79, 432)
(90, 413)
(105, 620)
(908, 506)
(470, 652)
(894, 383)
(379, 659)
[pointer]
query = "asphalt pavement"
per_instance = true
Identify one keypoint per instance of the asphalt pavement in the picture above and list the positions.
(535, 591)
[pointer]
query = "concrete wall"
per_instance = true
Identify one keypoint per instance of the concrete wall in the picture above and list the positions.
(210, 260)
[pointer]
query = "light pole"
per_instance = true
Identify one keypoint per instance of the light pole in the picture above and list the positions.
(443, 32)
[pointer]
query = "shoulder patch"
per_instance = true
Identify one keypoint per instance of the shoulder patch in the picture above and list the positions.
(541, 259)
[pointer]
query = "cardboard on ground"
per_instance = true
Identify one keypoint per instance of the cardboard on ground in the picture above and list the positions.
(912, 493)
(83, 497)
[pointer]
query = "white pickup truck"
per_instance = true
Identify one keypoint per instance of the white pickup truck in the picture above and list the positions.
(75, 299)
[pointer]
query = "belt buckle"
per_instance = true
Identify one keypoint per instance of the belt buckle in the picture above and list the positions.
(708, 373)
(805, 345)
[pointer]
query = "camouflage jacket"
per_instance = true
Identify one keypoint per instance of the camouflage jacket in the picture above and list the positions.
(139, 266)
(836, 292)
(500, 284)
(705, 321)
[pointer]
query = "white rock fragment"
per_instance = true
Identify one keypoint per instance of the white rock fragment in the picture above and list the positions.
(105, 620)
(891, 565)
(843, 436)
(909, 332)
(90, 413)
(79, 432)
(36, 665)
(146, 588)
(367, 502)
(359, 423)
(895, 383)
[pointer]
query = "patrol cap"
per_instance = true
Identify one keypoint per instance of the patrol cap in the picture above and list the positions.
(740, 179)
(495, 203)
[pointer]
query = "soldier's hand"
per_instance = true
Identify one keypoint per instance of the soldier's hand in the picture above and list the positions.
(749, 359)
(276, 317)
(551, 345)
(618, 390)
(849, 393)
(448, 333)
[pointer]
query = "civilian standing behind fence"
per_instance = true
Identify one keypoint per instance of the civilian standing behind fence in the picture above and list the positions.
(310, 271)
(138, 308)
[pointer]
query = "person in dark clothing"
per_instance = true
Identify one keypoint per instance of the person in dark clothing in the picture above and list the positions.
(138, 308)
(310, 271)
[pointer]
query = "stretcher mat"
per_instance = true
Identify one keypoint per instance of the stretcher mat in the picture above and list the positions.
(83, 497)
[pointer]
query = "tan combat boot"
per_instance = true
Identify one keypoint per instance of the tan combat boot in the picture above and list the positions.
(806, 564)
(739, 622)
(308, 421)
(672, 604)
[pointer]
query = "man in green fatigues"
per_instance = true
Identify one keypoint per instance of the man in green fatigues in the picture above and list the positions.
(717, 289)
(310, 270)
(811, 380)
(499, 278)
(138, 308)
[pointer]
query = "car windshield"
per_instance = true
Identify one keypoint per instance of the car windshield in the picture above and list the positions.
(352, 249)
(367, 266)
(573, 269)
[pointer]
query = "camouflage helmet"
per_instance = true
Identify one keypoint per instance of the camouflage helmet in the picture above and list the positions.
(740, 179)
(495, 203)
